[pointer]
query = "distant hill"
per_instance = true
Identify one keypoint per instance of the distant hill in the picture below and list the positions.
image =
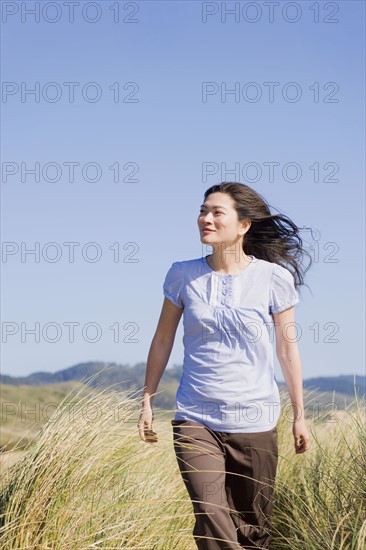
(344, 383)
(77, 372)
(124, 377)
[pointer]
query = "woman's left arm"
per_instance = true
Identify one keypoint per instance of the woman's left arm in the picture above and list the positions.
(289, 358)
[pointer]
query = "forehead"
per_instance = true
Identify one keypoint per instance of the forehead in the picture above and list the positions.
(219, 199)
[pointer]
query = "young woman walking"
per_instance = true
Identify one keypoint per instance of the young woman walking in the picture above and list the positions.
(228, 403)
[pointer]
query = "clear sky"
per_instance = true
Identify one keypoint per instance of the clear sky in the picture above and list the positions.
(130, 120)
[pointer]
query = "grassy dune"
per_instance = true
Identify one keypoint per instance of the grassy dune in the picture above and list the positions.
(87, 481)
(25, 409)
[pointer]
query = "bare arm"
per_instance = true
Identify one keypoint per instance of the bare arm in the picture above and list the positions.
(159, 353)
(289, 358)
(161, 347)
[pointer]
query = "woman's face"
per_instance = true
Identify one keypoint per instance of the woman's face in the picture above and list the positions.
(218, 215)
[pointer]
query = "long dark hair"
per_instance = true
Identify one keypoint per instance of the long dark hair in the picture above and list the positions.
(271, 237)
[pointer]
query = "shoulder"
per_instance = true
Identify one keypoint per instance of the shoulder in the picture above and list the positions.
(275, 270)
(188, 265)
(264, 267)
(183, 270)
(281, 272)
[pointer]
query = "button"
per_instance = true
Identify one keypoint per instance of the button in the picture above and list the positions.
(224, 291)
(224, 282)
(223, 301)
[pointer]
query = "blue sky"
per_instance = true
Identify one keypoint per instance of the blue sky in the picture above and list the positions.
(170, 135)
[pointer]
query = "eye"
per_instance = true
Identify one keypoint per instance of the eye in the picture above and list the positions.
(216, 212)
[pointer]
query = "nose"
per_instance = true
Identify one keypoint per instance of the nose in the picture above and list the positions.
(204, 217)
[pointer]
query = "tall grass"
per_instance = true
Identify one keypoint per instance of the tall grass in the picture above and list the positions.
(88, 481)
(320, 500)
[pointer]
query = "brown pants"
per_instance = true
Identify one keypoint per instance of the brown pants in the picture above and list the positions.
(230, 480)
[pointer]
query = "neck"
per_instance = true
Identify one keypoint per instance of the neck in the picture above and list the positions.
(229, 262)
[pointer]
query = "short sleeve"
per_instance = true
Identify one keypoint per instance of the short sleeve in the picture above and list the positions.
(173, 284)
(282, 293)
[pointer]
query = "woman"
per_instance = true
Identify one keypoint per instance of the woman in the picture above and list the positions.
(227, 403)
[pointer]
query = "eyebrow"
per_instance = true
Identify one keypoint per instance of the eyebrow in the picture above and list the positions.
(204, 206)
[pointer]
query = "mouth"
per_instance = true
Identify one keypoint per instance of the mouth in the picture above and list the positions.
(207, 230)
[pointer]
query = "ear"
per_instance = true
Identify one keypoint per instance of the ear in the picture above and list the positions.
(245, 226)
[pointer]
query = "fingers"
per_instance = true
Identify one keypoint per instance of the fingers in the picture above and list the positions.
(146, 432)
(141, 432)
(301, 444)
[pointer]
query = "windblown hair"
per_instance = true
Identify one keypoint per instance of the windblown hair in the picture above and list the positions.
(271, 237)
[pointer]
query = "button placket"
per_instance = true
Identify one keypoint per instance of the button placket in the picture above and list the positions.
(225, 290)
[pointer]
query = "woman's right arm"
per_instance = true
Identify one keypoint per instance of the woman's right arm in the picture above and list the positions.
(157, 360)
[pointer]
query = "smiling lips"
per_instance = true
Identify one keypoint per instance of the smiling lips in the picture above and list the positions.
(207, 229)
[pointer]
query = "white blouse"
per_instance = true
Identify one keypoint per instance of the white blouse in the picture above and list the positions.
(228, 379)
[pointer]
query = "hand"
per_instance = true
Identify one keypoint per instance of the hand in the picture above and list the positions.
(301, 436)
(145, 425)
